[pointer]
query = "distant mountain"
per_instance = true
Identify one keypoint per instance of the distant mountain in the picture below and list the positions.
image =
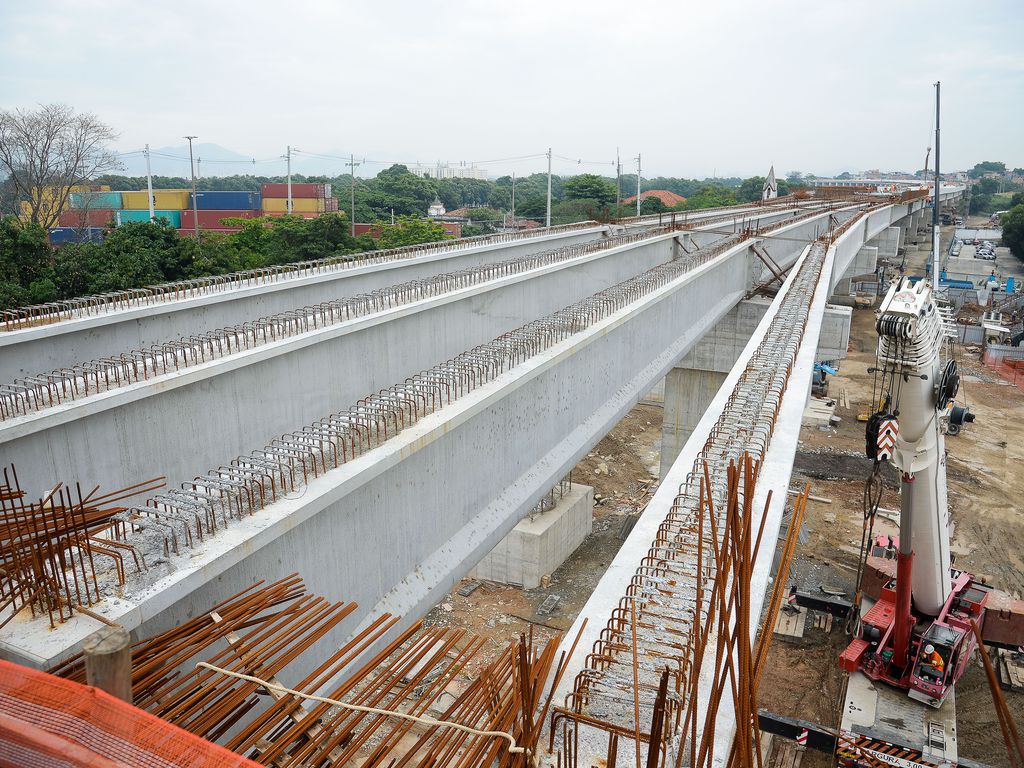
(213, 160)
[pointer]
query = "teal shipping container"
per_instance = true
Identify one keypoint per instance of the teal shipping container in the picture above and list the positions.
(173, 217)
(95, 200)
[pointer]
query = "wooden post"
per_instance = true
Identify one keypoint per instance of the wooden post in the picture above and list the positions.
(108, 661)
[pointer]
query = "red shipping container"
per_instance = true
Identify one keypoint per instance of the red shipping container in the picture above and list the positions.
(298, 190)
(331, 204)
(300, 214)
(204, 231)
(212, 219)
(80, 217)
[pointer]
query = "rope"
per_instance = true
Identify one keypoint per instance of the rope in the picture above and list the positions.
(429, 721)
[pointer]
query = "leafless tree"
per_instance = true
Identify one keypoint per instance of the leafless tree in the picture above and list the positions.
(45, 152)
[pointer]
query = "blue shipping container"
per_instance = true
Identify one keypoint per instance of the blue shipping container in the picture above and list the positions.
(173, 217)
(95, 201)
(65, 235)
(227, 201)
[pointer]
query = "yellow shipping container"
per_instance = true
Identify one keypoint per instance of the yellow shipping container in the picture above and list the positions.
(299, 204)
(165, 200)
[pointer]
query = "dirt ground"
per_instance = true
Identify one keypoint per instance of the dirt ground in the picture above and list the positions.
(803, 678)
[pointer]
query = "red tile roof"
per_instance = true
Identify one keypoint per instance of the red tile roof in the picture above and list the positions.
(670, 199)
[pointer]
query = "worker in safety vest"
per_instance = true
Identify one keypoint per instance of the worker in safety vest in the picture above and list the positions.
(932, 657)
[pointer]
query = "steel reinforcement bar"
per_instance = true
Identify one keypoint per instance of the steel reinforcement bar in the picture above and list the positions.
(86, 306)
(44, 390)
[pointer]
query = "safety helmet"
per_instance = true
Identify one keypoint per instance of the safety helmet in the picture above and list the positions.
(929, 649)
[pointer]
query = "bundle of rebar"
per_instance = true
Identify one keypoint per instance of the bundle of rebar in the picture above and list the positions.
(411, 701)
(49, 548)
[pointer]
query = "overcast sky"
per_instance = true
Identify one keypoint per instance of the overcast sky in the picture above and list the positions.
(696, 87)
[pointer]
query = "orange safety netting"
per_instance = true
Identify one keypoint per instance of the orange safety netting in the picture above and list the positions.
(49, 722)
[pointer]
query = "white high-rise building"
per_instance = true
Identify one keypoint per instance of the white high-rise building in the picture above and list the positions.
(449, 171)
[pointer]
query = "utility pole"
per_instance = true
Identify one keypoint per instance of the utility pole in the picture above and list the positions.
(638, 172)
(352, 170)
(195, 200)
(936, 237)
(149, 186)
(288, 156)
(548, 219)
(618, 183)
(513, 200)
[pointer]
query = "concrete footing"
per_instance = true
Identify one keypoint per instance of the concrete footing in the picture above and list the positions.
(537, 546)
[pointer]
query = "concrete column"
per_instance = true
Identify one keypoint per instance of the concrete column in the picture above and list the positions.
(887, 242)
(688, 393)
(864, 263)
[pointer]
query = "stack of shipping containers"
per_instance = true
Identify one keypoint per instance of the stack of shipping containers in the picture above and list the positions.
(93, 209)
(212, 208)
(308, 200)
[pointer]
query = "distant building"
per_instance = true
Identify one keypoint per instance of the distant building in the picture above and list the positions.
(770, 190)
(448, 171)
(436, 208)
(670, 199)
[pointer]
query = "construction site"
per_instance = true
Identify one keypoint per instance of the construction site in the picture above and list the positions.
(730, 487)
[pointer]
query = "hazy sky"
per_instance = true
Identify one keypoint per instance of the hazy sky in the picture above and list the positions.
(696, 87)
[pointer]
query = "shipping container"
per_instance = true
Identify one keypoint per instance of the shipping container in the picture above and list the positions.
(164, 199)
(212, 219)
(95, 200)
(299, 205)
(331, 204)
(65, 235)
(186, 232)
(77, 217)
(319, 191)
(173, 218)
(300, 214)
(226, 201)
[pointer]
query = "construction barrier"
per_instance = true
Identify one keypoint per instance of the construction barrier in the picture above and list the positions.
(49, 722)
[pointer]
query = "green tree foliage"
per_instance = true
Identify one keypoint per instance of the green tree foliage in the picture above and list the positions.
(411, 231)
(751, 189)
(652, 204)
(25, 264)
(1013, 230)
(570, 211)
(710, 197)
(589, 186)
(987, 166)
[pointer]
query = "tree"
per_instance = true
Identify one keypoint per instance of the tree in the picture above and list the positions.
(411, 231)
(987, 166)
(710, 197)
(25, 264)
(794, 177)
(46, 152)
(1013, 230)
(652, 204)
(589, 186)
(751, 189)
